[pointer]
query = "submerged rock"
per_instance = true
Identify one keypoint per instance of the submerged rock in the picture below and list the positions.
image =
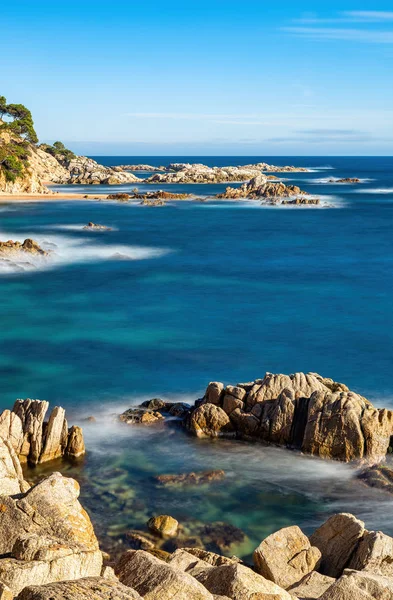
(140, 415)
(163, 525)
(184, 479)
(95, 227)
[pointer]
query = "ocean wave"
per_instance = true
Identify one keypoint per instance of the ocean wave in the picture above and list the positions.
(65, 251)
(375, 191)
(76, 227)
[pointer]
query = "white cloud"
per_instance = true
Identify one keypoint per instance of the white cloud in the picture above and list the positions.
(351, 35)
(369, 15)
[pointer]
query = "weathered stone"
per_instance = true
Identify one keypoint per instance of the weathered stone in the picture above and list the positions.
(156, 580)
(11, 476)
(11, 429)
(55, 436)
(89, 588)
(212, 558)
(214, 391)
(374, 553)
(240, 583)
(184, 561)
(184, 479)
(32, 414)
(209, 420)
(356, 585)
(312, 586)
(96, 227)
(246, 423)
(75, 443)
(163, 525)
(230, 403)
(140, 415)
(5, 592)
(286, 556)
(337, 539)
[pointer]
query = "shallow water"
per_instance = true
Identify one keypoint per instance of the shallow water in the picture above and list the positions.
(204, 291)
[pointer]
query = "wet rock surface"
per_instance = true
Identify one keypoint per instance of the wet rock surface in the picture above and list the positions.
(96, 227)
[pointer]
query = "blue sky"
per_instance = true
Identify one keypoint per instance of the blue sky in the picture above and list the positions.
(217, 77)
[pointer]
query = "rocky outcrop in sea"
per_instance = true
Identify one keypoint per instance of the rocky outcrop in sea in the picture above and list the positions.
(306, 412)
(261, 187)
(198, 173)
(35, 440)
(49, 550)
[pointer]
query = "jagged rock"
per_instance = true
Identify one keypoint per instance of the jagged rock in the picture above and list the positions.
(138, 168)
(286, 556)
(156, 580)
(355, 585)
(198, 173)
(140, 415)
(184, 561)
(118, 197)
(307, 201)
(29, 246)
(182, 479)
(346, 426)
(345, 180)
(95, 227)
(312, 586)
(84, 170)
(304, 411)
(261, 187)
(276, 169)
(36, 441)
(163, 525)
(88, 588)
(337, 539)
(379, 476)
(240, 583)
(374, 553)
(11, 476)
(138, 540)
(209, 420)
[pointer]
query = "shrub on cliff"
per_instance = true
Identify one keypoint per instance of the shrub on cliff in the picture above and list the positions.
(59, 151)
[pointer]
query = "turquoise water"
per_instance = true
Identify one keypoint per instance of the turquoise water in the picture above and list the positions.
(207, 291)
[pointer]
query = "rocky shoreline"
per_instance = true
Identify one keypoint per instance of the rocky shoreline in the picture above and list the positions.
(48, 549)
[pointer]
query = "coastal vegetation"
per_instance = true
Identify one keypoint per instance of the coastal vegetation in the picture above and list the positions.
(16, 134)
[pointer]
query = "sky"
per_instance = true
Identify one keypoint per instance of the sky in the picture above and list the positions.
(203, 78)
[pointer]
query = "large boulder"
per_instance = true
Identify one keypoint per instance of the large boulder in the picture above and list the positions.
(163, 525)
(209, 420)
(90, 588)
(360, 585)
(374, 553)
(337, 539)
(154, 579)
(286, 556)
(241, 583)
(46, 536)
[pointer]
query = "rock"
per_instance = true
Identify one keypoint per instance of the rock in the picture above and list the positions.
(75, 444)
(184, 561)
(139, 541)
(118, 197)
(260, 187)
(312, 586)
(11, 476)
(140, 415)
(95, 227)
(29, 246)
(374, 553)
(379, 476)
(46, 536)
(337, 539)
(211, 557)
(209, 420)
(304, 411)
(5, 592)
(286, 556)
(240, 583)
(84, 170)
(179, 409)
(183, 479)
(89, 588)
(213, 394)
(36, 441)
(355, 585)
(198, 173)
(154, 579)
(309, 201)
(346, 180)
(154, 404)
(163, 525)
(222, 536)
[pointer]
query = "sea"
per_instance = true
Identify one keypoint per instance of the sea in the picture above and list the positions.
(177, 296)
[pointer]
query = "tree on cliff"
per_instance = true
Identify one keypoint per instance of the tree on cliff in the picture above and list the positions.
(3, 106)
(19, 120)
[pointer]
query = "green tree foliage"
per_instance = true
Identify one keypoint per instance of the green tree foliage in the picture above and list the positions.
(17, 120)
(59, 151)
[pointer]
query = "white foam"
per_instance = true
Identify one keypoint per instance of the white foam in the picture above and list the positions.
(375, 191)
(67, 250)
